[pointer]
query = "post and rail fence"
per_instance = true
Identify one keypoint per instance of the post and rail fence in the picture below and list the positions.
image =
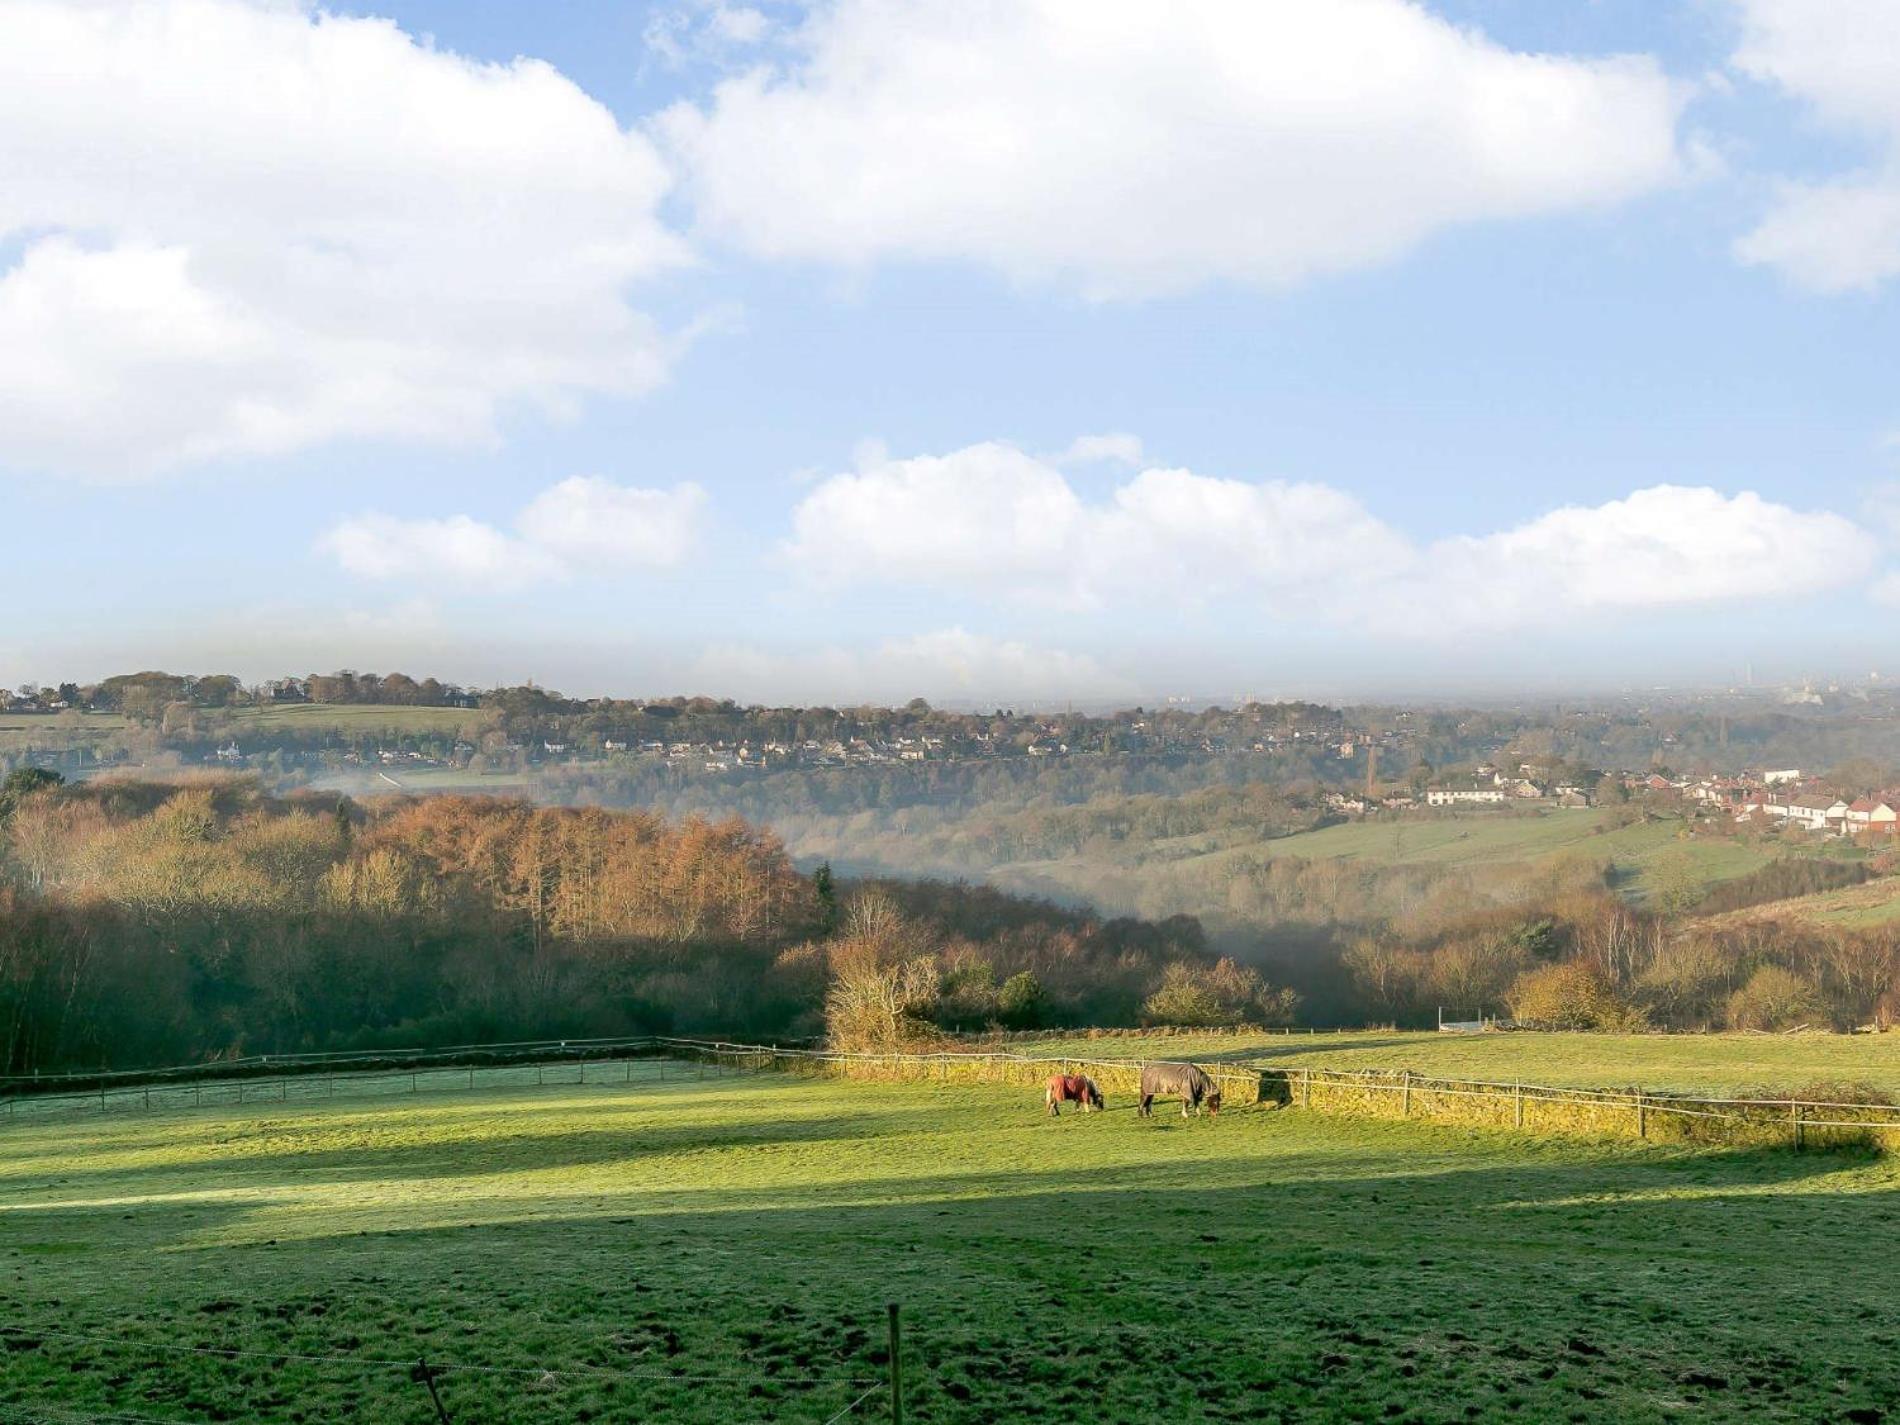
(1636, 1113)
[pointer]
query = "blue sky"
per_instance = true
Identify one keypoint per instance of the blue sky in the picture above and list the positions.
(1450, 348)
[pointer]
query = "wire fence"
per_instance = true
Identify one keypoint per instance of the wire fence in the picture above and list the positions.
(338, 1081)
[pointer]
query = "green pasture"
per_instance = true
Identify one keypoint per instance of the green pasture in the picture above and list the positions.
(1870, 904)
(17, 724)
(1500, 838)
(723, 1250)
(355, 718)
(1686, 1063)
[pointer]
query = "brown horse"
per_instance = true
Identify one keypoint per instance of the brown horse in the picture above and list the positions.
(1070, 1088)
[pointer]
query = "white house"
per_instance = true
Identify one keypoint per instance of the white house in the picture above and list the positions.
(1871, 814)
(1446, 796)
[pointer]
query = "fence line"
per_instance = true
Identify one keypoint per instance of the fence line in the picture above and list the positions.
(1595, 1112)
(1590, 1112)
(319, 1087)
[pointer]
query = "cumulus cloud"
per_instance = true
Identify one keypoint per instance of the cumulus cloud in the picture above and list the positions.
(1117, 448)
(1841, 58)
(1128, 148)
(585, 524)
(992, 520)
(1663, 546)
(946, 665)
(246, 228)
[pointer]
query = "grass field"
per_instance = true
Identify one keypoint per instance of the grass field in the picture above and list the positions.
(1265, 1265)
(59, 723)
(1680, 1062)
(369, 782)
(1869, 904)
(1487, 838)
(356, 717)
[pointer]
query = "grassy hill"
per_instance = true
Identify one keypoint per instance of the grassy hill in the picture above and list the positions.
(1850, 908)
(351, 718)
(1489, 851)
(723, 1251)
(1491, 839)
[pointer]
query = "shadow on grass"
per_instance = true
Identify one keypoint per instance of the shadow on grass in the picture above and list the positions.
(1625, 1285)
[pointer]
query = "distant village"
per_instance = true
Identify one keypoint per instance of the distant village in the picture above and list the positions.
(1785, 797)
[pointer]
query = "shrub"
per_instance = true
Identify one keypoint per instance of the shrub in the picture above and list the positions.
(1222, 993)
(1773, 998)
(873, 1007)
(1574, 994)
(1021, 1004)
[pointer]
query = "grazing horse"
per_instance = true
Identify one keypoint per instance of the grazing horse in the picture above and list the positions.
(1070, 1088)
(1193, 1086)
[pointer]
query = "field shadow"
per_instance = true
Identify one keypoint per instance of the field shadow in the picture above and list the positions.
(1319, 1289)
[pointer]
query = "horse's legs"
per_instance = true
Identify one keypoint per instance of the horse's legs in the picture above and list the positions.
(1147, 1106)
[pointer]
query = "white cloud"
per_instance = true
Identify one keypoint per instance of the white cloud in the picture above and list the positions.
(1886, 589)
(249, 228)
(582, 524)
(947, 665)
(991, 521)
(591, 521)
(1664, 546)
(1130, 148)
(1842, 59)
(1116, 448)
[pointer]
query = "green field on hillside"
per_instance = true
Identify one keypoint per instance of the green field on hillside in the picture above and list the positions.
(722, 1251)
(75, 724)
(1860, 907)
(1680, 1062)
(1487, 838)
(354, 718)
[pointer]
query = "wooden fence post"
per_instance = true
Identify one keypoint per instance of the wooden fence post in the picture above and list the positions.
(423, 1372)
(1642, 1116)
(1517, 1097)
(1794, 1120)
(1306, 1087)
(1405, 1094)
(897, 1367)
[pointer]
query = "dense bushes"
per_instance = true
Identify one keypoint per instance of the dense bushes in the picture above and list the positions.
(1573, 994)
(1773, 998)
(1222, 993)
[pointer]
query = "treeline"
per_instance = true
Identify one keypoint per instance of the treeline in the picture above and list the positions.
(1587, 960)
(144, 923)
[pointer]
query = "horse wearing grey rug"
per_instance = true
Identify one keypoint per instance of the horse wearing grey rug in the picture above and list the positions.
(1193, 1087)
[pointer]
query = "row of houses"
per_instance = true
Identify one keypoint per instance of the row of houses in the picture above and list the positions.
(1829, 815)
(1502, 788)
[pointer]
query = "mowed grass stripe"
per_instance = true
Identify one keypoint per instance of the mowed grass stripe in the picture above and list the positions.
(1264, 1264)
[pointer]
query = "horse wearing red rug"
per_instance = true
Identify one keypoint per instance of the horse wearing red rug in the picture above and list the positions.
(1071, 1088)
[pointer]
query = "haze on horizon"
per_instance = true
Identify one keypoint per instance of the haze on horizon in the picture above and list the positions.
(1009, 352)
